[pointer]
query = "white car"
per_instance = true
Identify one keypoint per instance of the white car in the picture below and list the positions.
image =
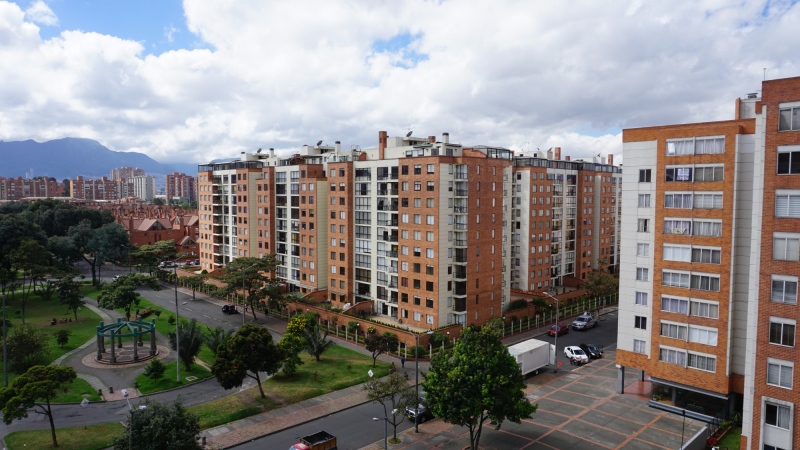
(573, 352)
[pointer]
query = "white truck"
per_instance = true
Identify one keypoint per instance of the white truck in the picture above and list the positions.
(532, 355)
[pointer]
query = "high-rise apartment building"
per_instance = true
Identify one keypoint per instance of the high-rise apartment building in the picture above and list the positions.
(19, 188)
(102, 189)
(144, 187)
(429, 231)
(181, 187)
(708, 283)
(125, 173)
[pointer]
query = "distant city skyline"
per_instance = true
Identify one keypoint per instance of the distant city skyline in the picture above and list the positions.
(196, 80)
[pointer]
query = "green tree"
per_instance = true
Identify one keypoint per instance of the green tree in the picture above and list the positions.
(600, 284)
(62, 337)
(254, 274)
(291, 345)
(155, 369)
(494, 326)
(28, 346)
(298, 324)
(379, 344)
(191, 340)
(69, 294)
(161, 426)
(248, 353)
(394, 394)
(32, 261)
(159, 201)
(478, 381)
(121, 293)
(33, 391)
(97, 246)
(316, 341)
(146, 258)
(195, 281)
(217, 337)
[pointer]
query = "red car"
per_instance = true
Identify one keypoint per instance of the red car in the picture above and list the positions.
(560, 329)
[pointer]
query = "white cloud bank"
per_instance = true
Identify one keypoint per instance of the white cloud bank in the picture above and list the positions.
(519, 74)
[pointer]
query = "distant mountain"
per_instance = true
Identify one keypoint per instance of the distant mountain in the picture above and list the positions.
(70, 157)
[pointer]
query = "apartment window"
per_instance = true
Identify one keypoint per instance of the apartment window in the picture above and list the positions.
(777, 415)
(672, 356)
(404, 170)
(787, 204)
(644, 200)
(429, 252)
(417, 185)
(781, 331)
(418, 219)
(639, 346)
(704, 309)
(677, 226)
(789, 119)
(672, 200)
(681, 147)
(675, 305)
(675, 279)
(642, 249)
(645, 175)
(708, 201)
(786, 246)
(641, 298)
(709, 146)
(711, 173)
(642, 274)
(429, 220)
(644, 226)
(788, 160)
(678, 174)
(430, 236)
(779, 373)
(640, 322)
(784, 289)
(677, 253)
(417, 251)
(417, 169)
(417, 315)
(705, 283)
(704, 336)
(430, 168)
(673, 330)
(706, 228)
(702, 362)
(431, 186)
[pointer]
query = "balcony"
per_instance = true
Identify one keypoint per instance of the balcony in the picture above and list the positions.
(389, 237)
(460, 256)
(460, 273)
(460, 305)
(387, 191)
(460, 243)
(388, 223)
(460, 288)
(460, 193)
(390, 254)
(460, 226)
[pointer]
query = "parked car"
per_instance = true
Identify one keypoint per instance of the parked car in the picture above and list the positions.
(422, 410)
(585, 321)
(560, 329)
(575, 354)
(592, 350)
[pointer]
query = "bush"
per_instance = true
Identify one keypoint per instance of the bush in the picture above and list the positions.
(171, 320)
(517, 304)
(155, 369)
(62, 337)
(352, 326)
(27, 347)
(417, 350)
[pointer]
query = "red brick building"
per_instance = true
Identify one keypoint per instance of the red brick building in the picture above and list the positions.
(19, 188)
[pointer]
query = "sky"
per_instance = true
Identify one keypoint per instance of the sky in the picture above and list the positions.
(199, 80)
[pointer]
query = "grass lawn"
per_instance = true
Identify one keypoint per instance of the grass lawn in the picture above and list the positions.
(731, 439)
(75, 392)
(148, 386)
(95, 437)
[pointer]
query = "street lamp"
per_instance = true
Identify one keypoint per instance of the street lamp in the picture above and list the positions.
(5, 350)
(385, 430)
(130, 425)
(555, 344)
(416, 371)
(177, 327)
(244, 291)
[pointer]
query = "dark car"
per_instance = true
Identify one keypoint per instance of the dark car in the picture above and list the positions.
(424, 413)
(229, 309)
(592, 350)
(560, 329)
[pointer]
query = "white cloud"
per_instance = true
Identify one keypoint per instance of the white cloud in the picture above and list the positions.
(40, 13)
(169, 33)
(518, 74)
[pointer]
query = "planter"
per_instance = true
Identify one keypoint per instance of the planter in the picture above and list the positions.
(718, 435)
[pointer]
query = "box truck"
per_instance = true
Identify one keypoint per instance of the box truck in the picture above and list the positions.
(532, 355)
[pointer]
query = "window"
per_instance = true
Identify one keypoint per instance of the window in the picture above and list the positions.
(642, 274)
(417, 169)
(429, 220)
(642, 249)
(644, 226)
(779, 373)
(644, 200)
(430, 168)
(678, 201)
(417, 185)
(675, 279)
(678, 174)
(681, 147)
(705, 283)
(429, 252)
(777, 415)
(711, 173)
(704, 309)
(784, 289)
(706, 228)
(705, 336)
(431, 186)
(706, 255)
(787, 204)
(781, 331)
(708, 201)
(677, 253)
(675, 305)
(702, 362)
(788, 160)
(641, 298)
(672, 356)
(786, 246)
(644, 175)
(677, 226)
(639, 346)
(673, 330)
(789, 119)
(709, 146)
(640, 322)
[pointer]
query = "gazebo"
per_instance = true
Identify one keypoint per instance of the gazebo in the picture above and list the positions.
(126, 329)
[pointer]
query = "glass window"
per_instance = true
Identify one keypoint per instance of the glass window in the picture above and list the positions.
(640, 322)
(672, 356)
(777, 415)
(788, 162)
(641, 298)
(644, 200)
(642, 274)
(779, 373)
(645, 175)
(639, 346)
(781, 333)
(789, 119)
(784, 289)
(787, 204)
(702, 362)
(785, 247)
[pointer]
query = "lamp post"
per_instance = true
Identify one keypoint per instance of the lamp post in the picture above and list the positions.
(130, 425)
(416, 372)
(385, 431)
(5, 350)
(177, 326)
(244, 291)
(555, 344)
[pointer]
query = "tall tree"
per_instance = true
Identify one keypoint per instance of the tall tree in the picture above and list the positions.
(217, 337)
(96, 246)
(379, 344)
(195, 282)
(146, 258)
(28, 346)
(69, 294)
(252, 274)
(32, 261)
(121, 293)
(191, 339)
(478, 381)
(600, 284)
(160, 426)
(33, 391)
(316, 342)
(248, 353)
(394, 394)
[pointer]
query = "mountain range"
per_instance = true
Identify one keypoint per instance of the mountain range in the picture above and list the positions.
(70, 157)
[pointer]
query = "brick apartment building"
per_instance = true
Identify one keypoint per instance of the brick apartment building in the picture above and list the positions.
(708, 282)
(181, 187)
(101, 189)
(19, 188)
(430, 232)
(125, 173)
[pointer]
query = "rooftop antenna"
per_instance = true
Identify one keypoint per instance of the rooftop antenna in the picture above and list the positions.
(765, 74)
(409, 134)
(258, 151)
(319, 143)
